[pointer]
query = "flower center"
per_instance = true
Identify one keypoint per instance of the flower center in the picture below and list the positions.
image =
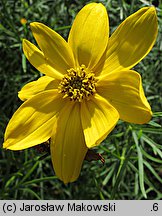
(78, 84)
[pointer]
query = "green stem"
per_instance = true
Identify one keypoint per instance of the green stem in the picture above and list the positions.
(124, 160)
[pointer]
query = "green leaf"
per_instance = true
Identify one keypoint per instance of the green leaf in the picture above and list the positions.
(153, 171)
(136, 186)
(109, 175)
(28, 190)
(34, 181)
(121, 169)
(147, 181)
(154, 124)
(152, 144)
(10, 181)
(152, 130)
(29, 172)
(140, 165)
(157, 114)
(24, 63)
(151, 157)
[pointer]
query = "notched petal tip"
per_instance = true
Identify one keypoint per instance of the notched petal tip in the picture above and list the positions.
(93, 4)
(25, 42)
(152, 9)
(5, 145)
(33, 24)
(98, 6)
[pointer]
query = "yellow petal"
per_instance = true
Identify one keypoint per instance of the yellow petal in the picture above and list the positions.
(33, 122)
(68, 147)
(37, 59)
(98, 120)
(89, 34)
(55, 48)
(42, 84)
(132, 40)
(124, 91)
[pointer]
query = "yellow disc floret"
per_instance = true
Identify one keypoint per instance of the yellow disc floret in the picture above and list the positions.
(78, 84)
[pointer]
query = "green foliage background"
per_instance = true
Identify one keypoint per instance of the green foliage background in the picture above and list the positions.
(133, 153)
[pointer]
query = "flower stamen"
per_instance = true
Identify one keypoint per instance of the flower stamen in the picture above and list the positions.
(78, 84)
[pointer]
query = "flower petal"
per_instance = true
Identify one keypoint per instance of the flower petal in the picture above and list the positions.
(42, 84)
(33, 122)
(124, 91)
(132, 40)
(55, 48)
(37, 59)
(98, 120)
(89, 34)
(68, 147)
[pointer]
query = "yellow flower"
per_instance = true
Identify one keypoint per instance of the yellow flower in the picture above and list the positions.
(23, 21)
(88, 86)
